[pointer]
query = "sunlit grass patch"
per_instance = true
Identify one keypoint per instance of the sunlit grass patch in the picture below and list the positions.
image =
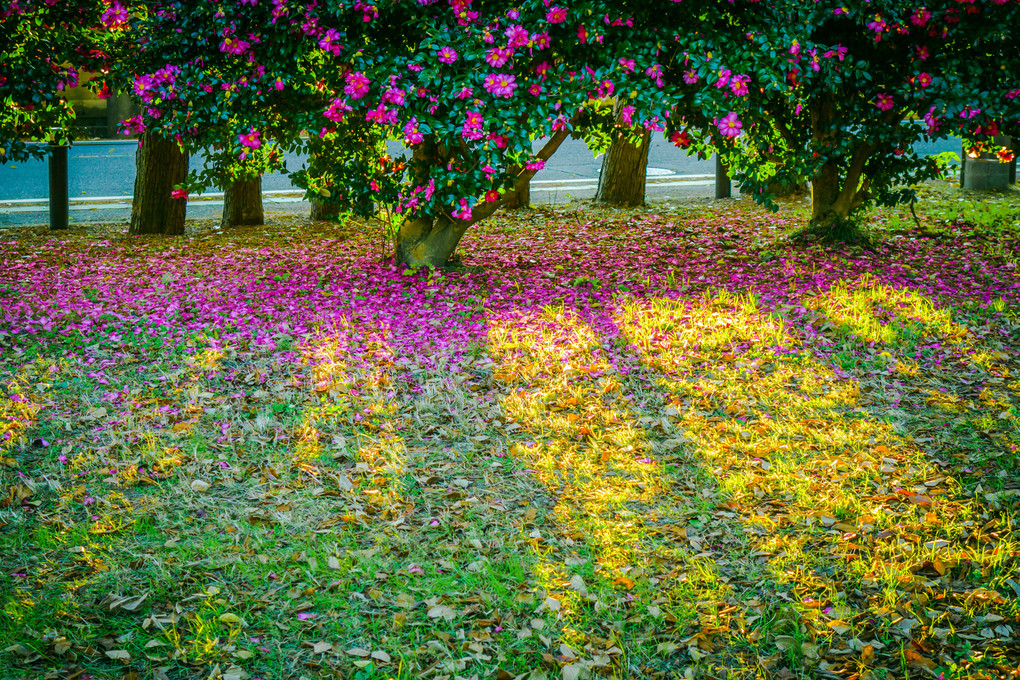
(877, 313)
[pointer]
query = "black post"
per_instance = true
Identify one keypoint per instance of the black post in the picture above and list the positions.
(722, 179)
(58, 186)
(963, 163)
(1014, 147)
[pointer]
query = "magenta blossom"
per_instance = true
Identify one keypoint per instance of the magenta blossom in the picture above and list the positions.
(500, 84)
(447, 55)
(250, 139)
(730, 125)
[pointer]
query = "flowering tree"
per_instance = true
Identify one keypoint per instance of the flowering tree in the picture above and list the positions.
(785, 91)
(466, 88)
(838, 93)
(44, 44)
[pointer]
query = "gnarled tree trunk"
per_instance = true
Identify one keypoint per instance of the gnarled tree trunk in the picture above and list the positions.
(622, 178)
(242, 203)
(422, 242)
(160, 164)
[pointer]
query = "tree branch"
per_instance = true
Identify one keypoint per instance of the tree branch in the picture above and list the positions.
(483, 210)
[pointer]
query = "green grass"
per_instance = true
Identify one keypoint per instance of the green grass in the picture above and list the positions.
(728, 506)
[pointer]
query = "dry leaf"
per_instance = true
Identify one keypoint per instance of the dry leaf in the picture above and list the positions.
(380, 655)
(199, 486)
(575, 671)
(442, 611)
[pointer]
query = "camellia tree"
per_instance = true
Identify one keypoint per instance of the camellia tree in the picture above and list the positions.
(838, 93)
(44, 46)
(467, 88)
(834, 93)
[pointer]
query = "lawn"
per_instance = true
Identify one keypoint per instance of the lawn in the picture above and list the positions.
(658, 443)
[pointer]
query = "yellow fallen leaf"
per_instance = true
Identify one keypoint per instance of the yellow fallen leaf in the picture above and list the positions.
(231, 619)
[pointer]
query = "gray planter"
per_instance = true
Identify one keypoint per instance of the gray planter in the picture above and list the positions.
(985, 174)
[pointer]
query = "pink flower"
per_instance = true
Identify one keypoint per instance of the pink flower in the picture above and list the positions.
(472, 127)
(500, 84)
(839, 53)
(730, 125)
(498, 56)
(381, 115)
(655, 73)
(250, 139)
(923, 79)
(724, 78)
(627, 115)
(738, 85)
(411, 133)
(329, 42)
(517, 36)
(115, 16)
(463, 212)
(884, 101)
(690, 77)
(357, 85)
(179, 193)
(447, 55)
(556, 15)
(234, 46)
(336, 110)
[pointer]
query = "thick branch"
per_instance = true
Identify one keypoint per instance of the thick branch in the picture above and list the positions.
(481, 211)
(854, 172)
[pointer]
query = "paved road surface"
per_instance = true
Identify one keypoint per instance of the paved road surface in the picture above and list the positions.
(101, 179)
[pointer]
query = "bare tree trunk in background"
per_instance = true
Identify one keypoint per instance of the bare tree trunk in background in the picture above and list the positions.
(324, 212)
(242, 203)
(622, 179)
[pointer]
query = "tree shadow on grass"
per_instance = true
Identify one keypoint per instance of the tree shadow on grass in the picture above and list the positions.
(598, 468)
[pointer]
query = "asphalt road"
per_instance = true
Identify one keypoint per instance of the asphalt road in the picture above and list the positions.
(101, 179)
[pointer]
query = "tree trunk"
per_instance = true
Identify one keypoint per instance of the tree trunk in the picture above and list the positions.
(242, 203)
(324, 212)
(834, 199)
(160, 164)
(825, 192)
(520, 197)
(424, 243)
(622, 179)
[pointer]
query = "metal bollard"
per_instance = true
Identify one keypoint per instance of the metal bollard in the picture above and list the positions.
(723, 189)
(59, 206)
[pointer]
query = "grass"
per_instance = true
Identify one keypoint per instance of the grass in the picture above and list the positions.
(685, 448)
